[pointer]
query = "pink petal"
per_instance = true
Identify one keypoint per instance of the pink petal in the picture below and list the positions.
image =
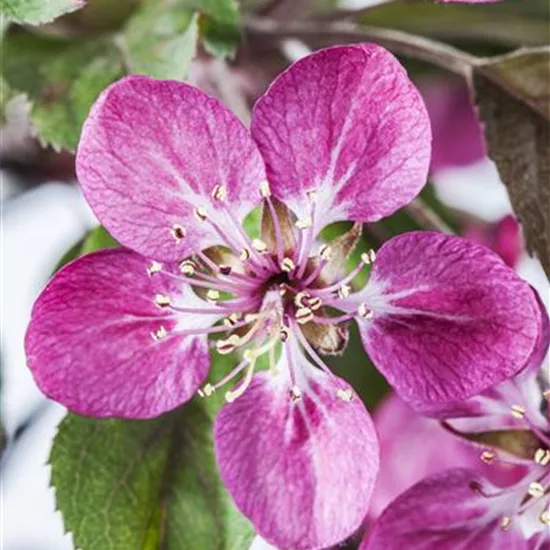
(90, 346)
(450, 319)
(303, 472)
(431, 448)
(444, 513)
(151, 151)
(347, 122)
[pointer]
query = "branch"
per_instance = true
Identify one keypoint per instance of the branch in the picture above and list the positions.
(402, 43)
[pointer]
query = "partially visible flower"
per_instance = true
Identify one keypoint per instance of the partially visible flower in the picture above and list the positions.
(341, 135)
(508, 426)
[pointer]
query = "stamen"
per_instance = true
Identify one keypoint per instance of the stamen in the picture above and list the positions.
(542, 457)
(345, 395)
(368, 257)
(162, 300)
(304, 223)
(225, 269)
(212, 296)
(259, 246)
(535, 489)
(282, 291)
(200, 213)
(265, 190)
(544, 518)
(488, 457)
(244, 255)
(315, 303)
(232, 320)
(505, 523)
(154, 267)
(304, 315)
(344, 291)
(228, 345)
(231, 395)
(312, 195)
(188, 267)
(546, 394)
(159, 334)
(178, 232)
(284, 334)
(299, 299)
(325, 252)
(365, 312)
(287, 265)
(295, 394)
(517, 411)
(219, 193)
(207, 390)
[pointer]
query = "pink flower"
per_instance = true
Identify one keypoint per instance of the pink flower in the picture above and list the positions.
(509, 428)
(340, 135)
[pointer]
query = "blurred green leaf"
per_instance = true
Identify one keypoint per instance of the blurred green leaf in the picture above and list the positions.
(219, 39)
(500, 23)
(144, 485)
(61, 79)
(223, 11)
(160, 40)
(36, 12)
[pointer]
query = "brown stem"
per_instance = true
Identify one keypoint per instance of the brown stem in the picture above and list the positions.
(426, 217)
(417, 47)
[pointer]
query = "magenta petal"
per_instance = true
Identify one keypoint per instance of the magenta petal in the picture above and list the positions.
(444, 512)
(347, 122)
(151, 151)
(303, 472)
(90, 345)
(450, 319)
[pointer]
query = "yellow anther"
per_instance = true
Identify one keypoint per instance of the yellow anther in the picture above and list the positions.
(178, 232)
(188, 267)
(244, 255)
(232, 320)
(159, 334)
(312, 195)
(295, 394)
(304, 315)
(364, 311)
(535, 489)
(344, 291)
(287, 265)
(212, 296)
(200, 213)
(154, 267)
(315, 303)
(207, 391)
(542, 457)
(259, 245)
(301, 299)
(161, 300)
(219, 193)
(325, 252)
(265, 190)
(225, 269)
(368, 257)
(517, 411)
(304, 223)
(545, 517)
(488, 457)
(345, 395)
(284, 334)
(505, 523)
(282, 291)
(228, 345)
(250, 317)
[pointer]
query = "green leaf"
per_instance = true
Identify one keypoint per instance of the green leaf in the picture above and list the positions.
(36, 12)
(62, 79)
(223, 11)
(513, 101)
(219, 39)
(160, 40)
(144, 485)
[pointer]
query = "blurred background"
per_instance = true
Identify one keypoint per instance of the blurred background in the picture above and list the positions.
(43, 214)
